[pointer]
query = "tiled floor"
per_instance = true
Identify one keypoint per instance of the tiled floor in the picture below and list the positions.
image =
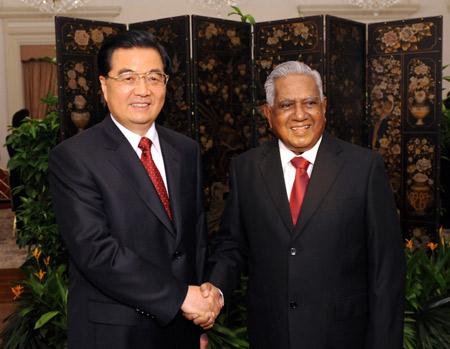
(10, 255)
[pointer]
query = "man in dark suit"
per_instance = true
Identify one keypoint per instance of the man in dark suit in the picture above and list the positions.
(128, 201)
(319, 235)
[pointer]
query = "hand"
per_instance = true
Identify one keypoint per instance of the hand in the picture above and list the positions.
(202, 305)
(203, 341)
(208, 289)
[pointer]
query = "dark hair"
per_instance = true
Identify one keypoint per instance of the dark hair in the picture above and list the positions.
(19, 116)
(129, 39)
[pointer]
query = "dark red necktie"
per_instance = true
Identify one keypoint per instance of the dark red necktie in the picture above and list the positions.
(154, 174)
(299, 187)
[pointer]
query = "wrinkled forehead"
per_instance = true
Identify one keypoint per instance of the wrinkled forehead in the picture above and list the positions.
(296, 87)
(136, 58)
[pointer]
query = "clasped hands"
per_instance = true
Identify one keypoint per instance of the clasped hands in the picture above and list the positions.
(202, 305)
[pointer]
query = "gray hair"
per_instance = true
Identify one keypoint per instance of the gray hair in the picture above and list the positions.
(286, 68)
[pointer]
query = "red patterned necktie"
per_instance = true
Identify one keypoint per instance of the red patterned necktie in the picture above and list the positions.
(299, 187)
(154, 174)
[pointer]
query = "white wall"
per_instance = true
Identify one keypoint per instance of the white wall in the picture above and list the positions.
(21, 25)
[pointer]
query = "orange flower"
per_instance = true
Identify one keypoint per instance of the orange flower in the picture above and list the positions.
(17, 291)
(40, 274)
(47, 260)
(432, 246)
(36, 253)
(409, 244)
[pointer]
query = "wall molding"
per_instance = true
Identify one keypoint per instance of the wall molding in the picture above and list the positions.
(400, 11)
(93, 12)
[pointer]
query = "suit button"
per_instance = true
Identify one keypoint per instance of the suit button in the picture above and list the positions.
(177, 255)
(293, 305)
(293, 251)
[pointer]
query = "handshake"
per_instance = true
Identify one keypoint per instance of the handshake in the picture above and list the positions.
(202, 305)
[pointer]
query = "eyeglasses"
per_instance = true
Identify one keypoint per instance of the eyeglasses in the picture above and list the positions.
(132, 78)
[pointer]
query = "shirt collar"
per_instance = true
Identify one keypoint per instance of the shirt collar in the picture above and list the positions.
(286, 154)
(134, 138)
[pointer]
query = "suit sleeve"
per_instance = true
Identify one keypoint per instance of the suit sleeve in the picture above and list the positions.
(386, 263)
(200, 229)
(111, 267)
(229, 243)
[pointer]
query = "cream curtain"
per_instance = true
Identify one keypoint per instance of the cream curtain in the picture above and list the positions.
(39, 78)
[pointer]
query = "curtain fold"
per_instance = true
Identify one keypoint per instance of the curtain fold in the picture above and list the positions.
(39, 78)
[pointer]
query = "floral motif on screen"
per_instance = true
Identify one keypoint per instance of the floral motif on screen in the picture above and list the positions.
(402, 38)
(419, 171)
(78, 90)
(81, 38)
(214, 36)
(297, 36)
(385, 114)
(421, 90)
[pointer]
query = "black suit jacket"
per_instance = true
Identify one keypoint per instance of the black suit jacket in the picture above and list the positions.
(130, 266)
(336, 279)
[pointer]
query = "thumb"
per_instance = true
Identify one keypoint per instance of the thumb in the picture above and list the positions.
(205, 289)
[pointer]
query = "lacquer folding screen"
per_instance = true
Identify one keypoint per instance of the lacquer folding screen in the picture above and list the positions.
(215, 92)
(404, 89)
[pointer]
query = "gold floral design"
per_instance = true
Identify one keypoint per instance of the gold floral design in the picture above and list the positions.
(419, 174)
(165, 34)
(385, 114)
(85, 38)
(81, 38)
(402, 38)
(421, 90)
(78, 82)
(215, 35)
(297, 35)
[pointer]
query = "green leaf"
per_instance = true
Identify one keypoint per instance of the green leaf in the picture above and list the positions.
(45, 318)
(23, 312)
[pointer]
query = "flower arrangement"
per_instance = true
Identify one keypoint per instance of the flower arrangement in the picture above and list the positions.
(41, 300)
(421, 84)
(427, 306)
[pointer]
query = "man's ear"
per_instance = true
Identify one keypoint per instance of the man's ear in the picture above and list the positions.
(267, 111)
(102, 80)
(324, 107)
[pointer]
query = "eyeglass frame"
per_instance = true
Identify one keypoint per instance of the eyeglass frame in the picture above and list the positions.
(140, 76)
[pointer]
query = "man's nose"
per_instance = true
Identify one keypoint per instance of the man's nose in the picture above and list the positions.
(142, 88)
(299, 111)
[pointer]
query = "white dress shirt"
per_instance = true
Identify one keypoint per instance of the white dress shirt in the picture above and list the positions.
(289, 170)
(134, 140)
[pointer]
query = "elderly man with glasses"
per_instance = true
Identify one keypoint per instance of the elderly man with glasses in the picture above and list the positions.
(128, 201)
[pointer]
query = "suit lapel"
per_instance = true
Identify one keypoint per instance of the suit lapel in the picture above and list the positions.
(124, 159)
(327, 166)
(172, 163)
(272, 174)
